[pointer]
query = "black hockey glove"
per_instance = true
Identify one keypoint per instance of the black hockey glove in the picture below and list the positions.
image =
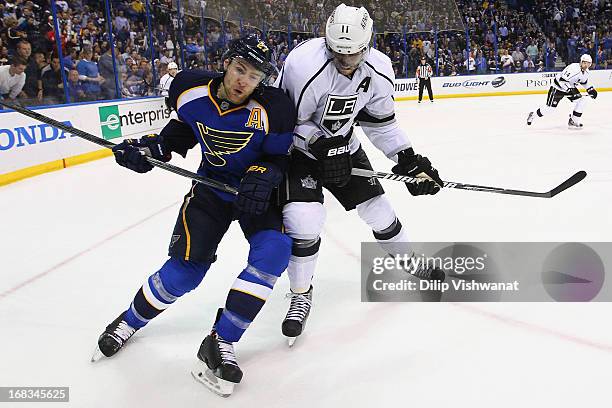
(334, 157)
(592, 92)
(415, 165)
(256, 188)
(132, 153)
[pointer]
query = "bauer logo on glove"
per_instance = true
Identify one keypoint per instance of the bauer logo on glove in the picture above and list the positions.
(337, 151)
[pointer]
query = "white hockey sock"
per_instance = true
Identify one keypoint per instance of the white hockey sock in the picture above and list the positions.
(394, 240)
(302, 264)
(578, 109)
(544, 110)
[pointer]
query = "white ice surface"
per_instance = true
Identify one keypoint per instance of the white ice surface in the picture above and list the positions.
(77, 244)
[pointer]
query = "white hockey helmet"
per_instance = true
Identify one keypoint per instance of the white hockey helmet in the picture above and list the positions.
(172, 65)
(586, 58)
(348, 30)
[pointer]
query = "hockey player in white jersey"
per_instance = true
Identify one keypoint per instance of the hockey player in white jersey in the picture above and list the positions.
(164, 86)
(336, 82)
(166, 80)
(565, 84)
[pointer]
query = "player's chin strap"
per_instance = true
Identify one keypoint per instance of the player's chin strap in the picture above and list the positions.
(573, 180)
(105, 143)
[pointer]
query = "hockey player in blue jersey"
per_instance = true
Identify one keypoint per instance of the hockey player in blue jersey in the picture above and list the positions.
(245, 130)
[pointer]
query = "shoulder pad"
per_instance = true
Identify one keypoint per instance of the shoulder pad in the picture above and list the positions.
(186, 80)
(280, 109)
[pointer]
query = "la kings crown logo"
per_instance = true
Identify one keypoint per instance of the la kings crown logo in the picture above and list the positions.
(338, 112)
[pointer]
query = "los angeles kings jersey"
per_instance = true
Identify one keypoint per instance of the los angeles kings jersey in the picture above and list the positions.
(329, 103)
(571, 77)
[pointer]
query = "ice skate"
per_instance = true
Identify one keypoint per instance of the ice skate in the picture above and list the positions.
(530, 118)
(217, 368)
(113, 338)
(424, 272)
(299, 309)
(572, 125)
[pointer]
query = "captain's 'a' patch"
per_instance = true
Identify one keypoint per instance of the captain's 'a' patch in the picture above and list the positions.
(338, 111)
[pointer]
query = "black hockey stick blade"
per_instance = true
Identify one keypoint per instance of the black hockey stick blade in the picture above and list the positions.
(576, 178)
(109, 145)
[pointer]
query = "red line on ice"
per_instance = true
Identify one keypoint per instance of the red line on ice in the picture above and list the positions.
(83, 252)
(494, 316)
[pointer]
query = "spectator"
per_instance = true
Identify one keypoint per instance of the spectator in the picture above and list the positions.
(503, 32)
(107, 71)
(76, 91)
(121, 22)
(518, 56)
(481, 63)
(89, 74)
(470, 65)
(13, 34)
(166, 58)
(51, 85)
(30, 89)
(70, 59)
(4, 55)
(12, 78)
(532, 51)
(572, 43)
(551, 57)
(528, 65)
(507, 62)
(32, 72)
(134, 84)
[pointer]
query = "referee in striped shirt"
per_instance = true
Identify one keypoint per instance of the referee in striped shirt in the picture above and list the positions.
(424, 73)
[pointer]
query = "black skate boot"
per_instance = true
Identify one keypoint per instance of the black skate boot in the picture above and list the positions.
(429, 273)
(424, 271)
(218, 369)
(113, 338)
(299, 309)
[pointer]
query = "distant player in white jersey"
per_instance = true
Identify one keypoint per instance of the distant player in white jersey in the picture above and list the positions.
(565, 84)
(166, 80)
(164, 86)
(335, 83)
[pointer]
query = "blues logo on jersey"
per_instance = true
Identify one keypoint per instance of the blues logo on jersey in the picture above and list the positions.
(232, 137)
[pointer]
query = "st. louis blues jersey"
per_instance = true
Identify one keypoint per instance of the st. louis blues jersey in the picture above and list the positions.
(232, 137)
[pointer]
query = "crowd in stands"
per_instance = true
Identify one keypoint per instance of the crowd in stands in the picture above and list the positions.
(543, 35)
(457, 37)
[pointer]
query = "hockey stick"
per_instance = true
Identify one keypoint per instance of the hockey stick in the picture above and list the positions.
(109, 145)
(575, 179)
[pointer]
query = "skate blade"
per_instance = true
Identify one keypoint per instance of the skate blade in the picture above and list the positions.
(205, 376)
(291, 341)
(97, 355)
(574, 128)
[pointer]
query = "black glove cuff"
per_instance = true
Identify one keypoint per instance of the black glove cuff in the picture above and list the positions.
(405, 155)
